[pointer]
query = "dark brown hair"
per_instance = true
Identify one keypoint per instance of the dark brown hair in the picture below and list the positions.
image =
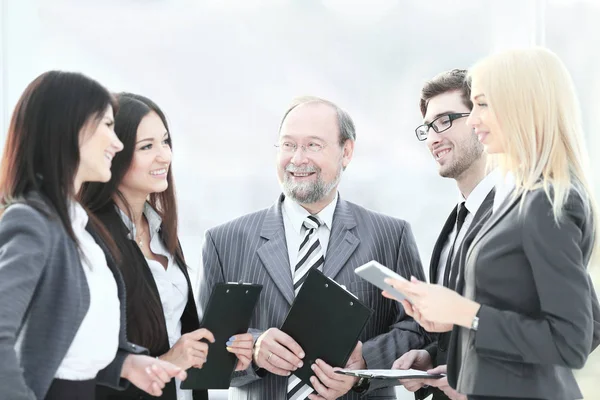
(144, 309)
(448, 81)
(42, 146)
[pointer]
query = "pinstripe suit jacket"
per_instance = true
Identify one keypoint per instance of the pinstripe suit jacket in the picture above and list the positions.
(253, 249)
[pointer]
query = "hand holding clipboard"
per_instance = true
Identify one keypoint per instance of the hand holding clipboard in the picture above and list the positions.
(326, 320)
(228, 313)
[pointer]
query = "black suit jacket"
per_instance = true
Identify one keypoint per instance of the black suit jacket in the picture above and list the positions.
(539, 313)
(438, 348)
(189, 320)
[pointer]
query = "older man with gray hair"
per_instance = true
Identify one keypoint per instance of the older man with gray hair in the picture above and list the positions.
(311, 226)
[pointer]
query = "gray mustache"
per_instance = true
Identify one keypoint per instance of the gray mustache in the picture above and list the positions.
(291, 168)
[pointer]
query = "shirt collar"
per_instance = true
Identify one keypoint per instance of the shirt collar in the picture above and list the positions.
(480, 192)
(297, 214)
(154, 220)
(78, 215)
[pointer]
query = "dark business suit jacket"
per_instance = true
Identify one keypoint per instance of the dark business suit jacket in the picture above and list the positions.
(130, 252)
(253, 249)
(539, 312)
(438, 349)
(44, 296)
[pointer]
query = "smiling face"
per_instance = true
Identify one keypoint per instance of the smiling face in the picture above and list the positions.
(457, 148)
(310, 160)
(484, 122)
(151, 159)
(98, 146)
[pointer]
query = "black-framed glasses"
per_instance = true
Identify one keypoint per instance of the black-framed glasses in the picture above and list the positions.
(439, 125)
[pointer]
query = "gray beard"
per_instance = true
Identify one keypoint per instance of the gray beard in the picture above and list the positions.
(310, 192)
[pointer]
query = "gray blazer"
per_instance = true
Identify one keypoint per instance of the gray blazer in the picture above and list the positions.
(43, 299)
(253, 249)
(538, 319)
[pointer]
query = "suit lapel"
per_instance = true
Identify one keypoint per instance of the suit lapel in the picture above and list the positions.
(439, 245)
(480, 217)
(274, 253)
(508, 203)
(342, 241)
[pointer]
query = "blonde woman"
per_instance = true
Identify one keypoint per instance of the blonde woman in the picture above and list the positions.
(526, 317)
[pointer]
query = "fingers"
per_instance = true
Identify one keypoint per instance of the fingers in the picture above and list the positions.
(321, 389)
(406, 361)
(287, 341)
(198, 346)
(412, 385)
(155, 389)
(441, 383)
(161, 373)
(326, 375)
(243, 362)
(242, 337)
(200, 334)
(408, 308)
(440, 369)
(272, 367)
(284, 359)
(411, 289)
(240, 344)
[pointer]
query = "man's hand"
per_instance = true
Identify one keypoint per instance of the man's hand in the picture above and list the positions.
(189, 351)
(328, 384)
(415, 359)
(443, 385)
(277, 352)
(150, 374)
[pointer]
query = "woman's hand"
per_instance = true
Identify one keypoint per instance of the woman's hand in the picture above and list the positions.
(189, 351)
(241, 345)
(149, 374)
(435, 305)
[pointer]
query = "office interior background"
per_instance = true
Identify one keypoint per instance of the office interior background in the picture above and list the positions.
(225, 70)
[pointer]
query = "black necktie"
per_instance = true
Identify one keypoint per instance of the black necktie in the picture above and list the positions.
(460, 219)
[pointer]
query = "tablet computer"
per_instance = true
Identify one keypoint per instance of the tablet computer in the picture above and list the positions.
(376, 273)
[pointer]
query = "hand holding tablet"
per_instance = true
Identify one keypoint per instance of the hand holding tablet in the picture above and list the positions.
(376, 273)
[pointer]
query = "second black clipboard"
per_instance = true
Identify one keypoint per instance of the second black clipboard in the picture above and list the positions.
(228, 312)
(326, 320)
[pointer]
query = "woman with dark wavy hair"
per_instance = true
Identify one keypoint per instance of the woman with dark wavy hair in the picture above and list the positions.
(139, 209)
(61, 296)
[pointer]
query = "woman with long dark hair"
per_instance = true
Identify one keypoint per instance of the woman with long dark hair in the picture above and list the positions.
(139, 209)
(61, 295)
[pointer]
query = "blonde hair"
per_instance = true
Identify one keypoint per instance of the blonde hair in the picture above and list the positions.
(533, 98)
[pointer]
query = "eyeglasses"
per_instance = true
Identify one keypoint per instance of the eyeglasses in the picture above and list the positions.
(439, 125)
(290, 147)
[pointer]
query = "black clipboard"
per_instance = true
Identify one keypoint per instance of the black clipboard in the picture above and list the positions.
(326, 320)
(227, 313)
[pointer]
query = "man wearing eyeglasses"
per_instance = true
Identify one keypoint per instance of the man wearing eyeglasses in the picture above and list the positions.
(311, 226)
(445, 102)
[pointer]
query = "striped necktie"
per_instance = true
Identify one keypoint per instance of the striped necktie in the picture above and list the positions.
(310, 256)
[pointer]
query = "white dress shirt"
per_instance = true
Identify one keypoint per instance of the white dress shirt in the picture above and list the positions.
(97, 340)
(504, 188)
(472, 203)
(294, 216)
(171, 283)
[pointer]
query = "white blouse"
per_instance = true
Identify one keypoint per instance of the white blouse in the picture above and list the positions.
(97, 340)
(171, 283)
